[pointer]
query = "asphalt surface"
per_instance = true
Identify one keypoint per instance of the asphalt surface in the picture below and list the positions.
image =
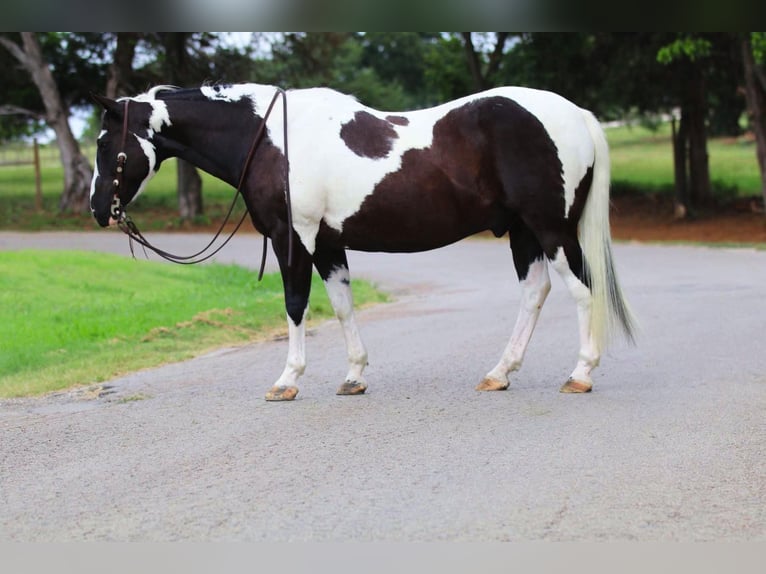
(669, 446)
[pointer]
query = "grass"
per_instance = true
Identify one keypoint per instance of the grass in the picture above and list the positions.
(71, 318)
(157, 209)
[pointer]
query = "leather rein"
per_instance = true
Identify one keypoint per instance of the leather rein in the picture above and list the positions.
(127, 226)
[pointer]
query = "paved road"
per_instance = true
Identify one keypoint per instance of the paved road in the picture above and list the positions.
(670, 445)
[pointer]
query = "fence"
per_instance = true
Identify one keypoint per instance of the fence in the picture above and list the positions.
(21, 156)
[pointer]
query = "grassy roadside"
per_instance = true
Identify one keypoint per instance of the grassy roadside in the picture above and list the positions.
(71, 318)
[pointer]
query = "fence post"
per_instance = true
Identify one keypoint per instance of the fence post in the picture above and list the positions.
(38, 179)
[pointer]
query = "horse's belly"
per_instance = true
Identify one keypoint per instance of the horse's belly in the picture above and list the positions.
(418, 225)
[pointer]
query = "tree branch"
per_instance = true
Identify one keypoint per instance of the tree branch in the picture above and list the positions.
(15, 51)
(10, 110)
(497, 54)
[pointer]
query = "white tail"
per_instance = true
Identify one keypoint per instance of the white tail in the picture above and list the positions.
(609, 310)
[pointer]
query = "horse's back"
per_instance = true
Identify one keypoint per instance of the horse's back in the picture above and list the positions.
(434, 175)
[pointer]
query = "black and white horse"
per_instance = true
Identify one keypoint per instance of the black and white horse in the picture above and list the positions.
(515, 160)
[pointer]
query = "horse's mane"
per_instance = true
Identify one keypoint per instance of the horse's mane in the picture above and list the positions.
(151, 94)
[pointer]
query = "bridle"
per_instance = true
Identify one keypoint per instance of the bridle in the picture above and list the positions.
(127, 226)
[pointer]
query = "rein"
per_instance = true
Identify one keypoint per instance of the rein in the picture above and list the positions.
(127, 226)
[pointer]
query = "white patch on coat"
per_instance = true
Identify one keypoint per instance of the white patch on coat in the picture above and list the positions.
(259, 95)
(534, 290)
(338, 286)
(296, 353)
(160, 116)
(151, 156)
(589, 355)
(93, 181)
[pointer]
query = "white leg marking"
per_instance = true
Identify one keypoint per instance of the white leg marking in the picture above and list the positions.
(338, 286)
(296, 354)
(534, 290)
(589, 352)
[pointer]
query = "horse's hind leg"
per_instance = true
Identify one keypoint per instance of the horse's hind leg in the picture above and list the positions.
(332, 265)
(532, 270)
(567, 260)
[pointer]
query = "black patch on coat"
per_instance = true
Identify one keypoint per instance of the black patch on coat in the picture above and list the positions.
(525, 247)
(491, 161)
(580, 196)
(398, 120)
(368, 136)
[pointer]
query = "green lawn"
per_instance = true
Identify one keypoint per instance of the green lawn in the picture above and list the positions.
(642, 160)
(155, 209)
(72, 318)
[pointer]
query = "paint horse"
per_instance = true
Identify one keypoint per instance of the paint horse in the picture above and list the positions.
(509, 160)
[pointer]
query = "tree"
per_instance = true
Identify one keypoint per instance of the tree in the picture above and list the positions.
(343, 61)
(484, 76)
(120, 73)
(77, 170)
(187, 59)
(177, 70)
(692, 171)
(753, 58)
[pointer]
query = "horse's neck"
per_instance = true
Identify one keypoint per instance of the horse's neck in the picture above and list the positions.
(194, 139)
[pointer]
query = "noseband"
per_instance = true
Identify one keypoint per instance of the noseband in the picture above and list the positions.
(126, 224)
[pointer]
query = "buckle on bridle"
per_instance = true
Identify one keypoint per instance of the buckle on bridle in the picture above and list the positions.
(116, 208)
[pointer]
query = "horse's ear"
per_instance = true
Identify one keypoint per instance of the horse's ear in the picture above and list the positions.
(106, 103)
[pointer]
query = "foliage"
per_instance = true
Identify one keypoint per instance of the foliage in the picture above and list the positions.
(398, 58)
(71, 318)
(691, 47)
(446, 71)
(335, 60)
(758, 43)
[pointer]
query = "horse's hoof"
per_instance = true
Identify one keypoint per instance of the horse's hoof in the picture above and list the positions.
(492, 385)
(574, 386)
(351, 388)
(281, 393)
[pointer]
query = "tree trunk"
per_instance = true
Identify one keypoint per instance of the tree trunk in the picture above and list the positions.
(176, 70)
(755, 95)
(681, 202)
(117, 83)
(473, 62)
(482, 81)
(699, 168)
(189, 190)
(496, 57)
(690, 157)
(77, 170)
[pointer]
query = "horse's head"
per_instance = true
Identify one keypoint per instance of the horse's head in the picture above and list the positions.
(126, 158)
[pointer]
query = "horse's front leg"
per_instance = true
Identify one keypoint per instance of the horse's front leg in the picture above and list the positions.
(296, 280)
(332, 265)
